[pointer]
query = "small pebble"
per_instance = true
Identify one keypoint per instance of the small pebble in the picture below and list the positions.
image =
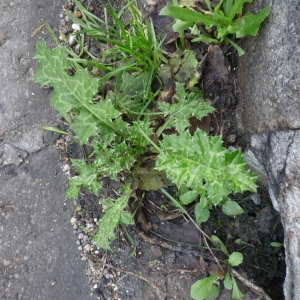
(61, 16)
(80, 248)
(87, 247)
(77, 48)
(73, 221)
(80, 236)
(75, 27)
(77, 14)
(6, 262)
(256, 199)
(72, 40)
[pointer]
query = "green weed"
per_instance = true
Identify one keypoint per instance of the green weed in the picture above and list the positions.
(123, 130)
(226, 18)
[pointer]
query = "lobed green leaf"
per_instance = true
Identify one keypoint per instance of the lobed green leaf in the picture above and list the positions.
(205, 164)
(75, 94)
(115, 215)
(249, 24)
(188, 105)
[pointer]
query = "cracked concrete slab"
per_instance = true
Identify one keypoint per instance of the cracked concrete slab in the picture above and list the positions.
(38, 255)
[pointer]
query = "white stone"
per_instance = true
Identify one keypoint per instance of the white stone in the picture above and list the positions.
(76, 27)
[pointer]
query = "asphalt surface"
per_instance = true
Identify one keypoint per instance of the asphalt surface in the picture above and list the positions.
(38, 252)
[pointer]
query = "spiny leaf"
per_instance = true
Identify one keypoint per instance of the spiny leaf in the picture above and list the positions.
(114, 216)
(188, 105)
(75, 93)
(87, 177)
(130, 91)
(204, 161)
(192, 160)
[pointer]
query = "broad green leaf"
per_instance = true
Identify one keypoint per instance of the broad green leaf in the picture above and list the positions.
(231, 208)
(201, 213)
(180, 26)
(235, 259)
(187, 15)
(189, 197)
(114, 216)
(249, 24)
(276, 244)
(214, 292)
(227, 281)
(236, 293)
(201, 288)
(204, 160)
(219, 244)
(237, 8)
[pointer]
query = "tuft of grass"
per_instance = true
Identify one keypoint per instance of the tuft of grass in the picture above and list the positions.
(130, 46)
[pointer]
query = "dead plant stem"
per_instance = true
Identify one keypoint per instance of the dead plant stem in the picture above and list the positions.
(138, 276)
(249, 284)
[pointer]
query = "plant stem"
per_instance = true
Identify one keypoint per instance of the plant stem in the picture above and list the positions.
(205, 236)
(148, 139)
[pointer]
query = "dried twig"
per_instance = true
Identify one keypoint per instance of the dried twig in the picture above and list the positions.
(249, 284)
(138, 276)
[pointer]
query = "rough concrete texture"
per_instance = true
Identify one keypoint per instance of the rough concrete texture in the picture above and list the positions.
(38, 255)
(269, 107)
(279, 154)
(269, 73)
